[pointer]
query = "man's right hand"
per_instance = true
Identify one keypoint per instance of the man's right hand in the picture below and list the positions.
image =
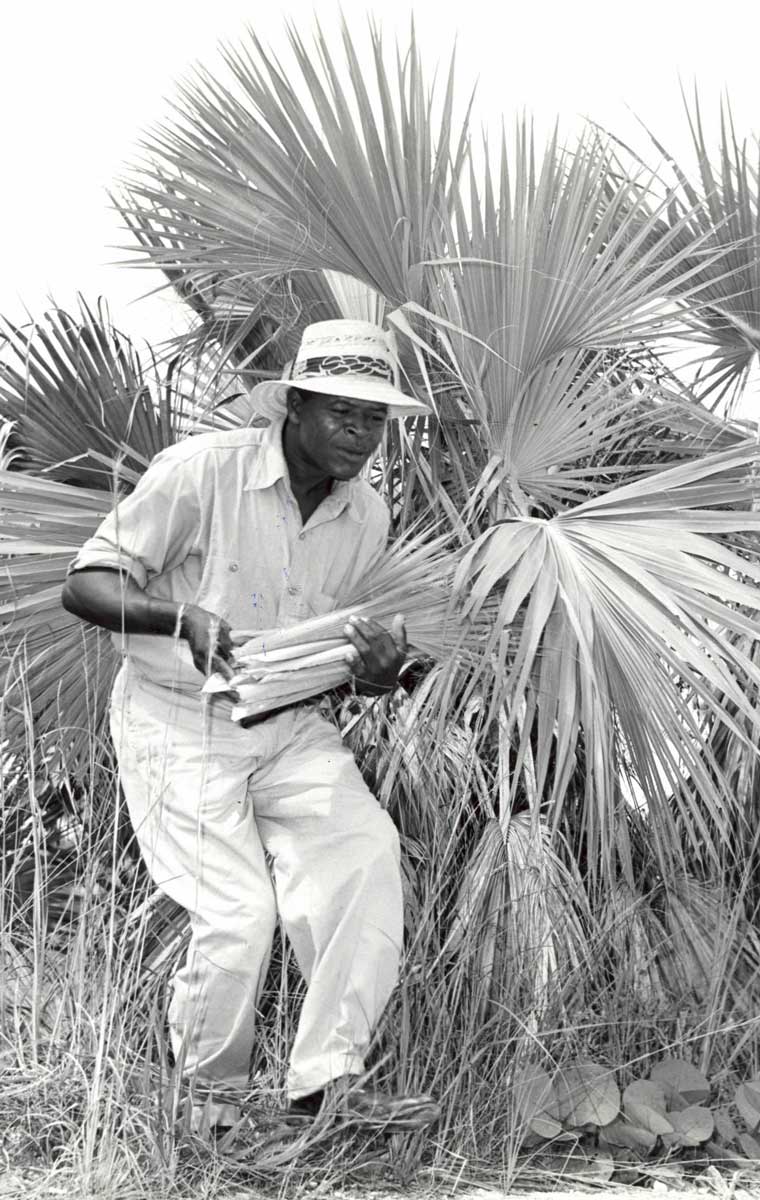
(208, 637)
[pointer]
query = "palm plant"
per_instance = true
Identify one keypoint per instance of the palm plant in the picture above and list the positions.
(577, 767)
(85, 418)
(78, 393)
(724, 208)
(232, 180)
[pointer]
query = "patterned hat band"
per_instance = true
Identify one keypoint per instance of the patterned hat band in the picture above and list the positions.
(343, 364)
(344, 357)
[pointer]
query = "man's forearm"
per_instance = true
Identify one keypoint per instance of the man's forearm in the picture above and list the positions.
(115, 601)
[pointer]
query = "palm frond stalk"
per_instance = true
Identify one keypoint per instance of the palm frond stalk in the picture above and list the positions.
(414, 577)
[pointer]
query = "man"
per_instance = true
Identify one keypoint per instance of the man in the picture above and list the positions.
(256, 529)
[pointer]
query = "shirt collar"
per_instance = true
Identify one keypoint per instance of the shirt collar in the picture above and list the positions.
(270, 466)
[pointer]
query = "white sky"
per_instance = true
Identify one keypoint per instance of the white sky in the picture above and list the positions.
(80, 80)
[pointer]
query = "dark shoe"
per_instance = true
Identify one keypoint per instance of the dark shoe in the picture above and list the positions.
(306, 1106)
(345, 1100)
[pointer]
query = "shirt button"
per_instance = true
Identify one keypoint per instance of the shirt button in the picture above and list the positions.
(294, 591)
(234, 567)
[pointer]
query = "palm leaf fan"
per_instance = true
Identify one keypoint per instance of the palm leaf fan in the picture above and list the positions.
(87, 420)
(76, 391)
(724, 212)
(554, 263)
(57, 671)
(245, 329)
(251, 182)
(613, 621)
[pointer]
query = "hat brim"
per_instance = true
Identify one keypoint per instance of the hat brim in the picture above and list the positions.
(369, 391)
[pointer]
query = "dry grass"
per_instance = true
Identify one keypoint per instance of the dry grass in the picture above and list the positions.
(89, 1105)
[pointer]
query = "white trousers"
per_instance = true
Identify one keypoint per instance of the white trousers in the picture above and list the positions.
(207, 799)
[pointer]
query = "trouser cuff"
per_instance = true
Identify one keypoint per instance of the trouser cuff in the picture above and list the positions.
(320, 1072)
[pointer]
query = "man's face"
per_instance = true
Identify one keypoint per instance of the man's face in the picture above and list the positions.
(335, 434)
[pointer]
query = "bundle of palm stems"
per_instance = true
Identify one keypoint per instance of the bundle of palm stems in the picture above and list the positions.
(414, 578)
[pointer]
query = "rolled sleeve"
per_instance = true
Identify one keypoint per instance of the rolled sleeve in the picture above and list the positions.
(151, 530)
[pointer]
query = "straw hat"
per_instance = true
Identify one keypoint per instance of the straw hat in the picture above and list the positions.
(354, 359)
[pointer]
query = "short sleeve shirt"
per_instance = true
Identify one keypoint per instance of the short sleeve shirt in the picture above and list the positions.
(214, 522)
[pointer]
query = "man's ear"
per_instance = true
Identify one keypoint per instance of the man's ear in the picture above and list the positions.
(294, 402)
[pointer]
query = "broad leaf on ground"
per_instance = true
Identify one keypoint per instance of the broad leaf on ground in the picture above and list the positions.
(586, 1094)
(680, 1079)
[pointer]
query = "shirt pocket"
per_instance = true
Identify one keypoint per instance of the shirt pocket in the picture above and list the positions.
(222, 586)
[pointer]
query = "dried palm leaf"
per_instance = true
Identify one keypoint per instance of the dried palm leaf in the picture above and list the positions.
(414, 577)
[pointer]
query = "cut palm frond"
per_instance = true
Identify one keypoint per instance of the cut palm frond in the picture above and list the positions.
(251, 182)
(617, 616)
(75, 388)
(414, 578)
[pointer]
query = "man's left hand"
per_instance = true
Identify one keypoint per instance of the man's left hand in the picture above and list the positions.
(376, 654)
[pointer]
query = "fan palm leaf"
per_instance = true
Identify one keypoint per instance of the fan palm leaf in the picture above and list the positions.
(561, 260)
(56, 670)
(76, 389)
(617, 614)
(724, 213)
(578, 424)
(245, 326)
(250, 182)
(86, 421)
